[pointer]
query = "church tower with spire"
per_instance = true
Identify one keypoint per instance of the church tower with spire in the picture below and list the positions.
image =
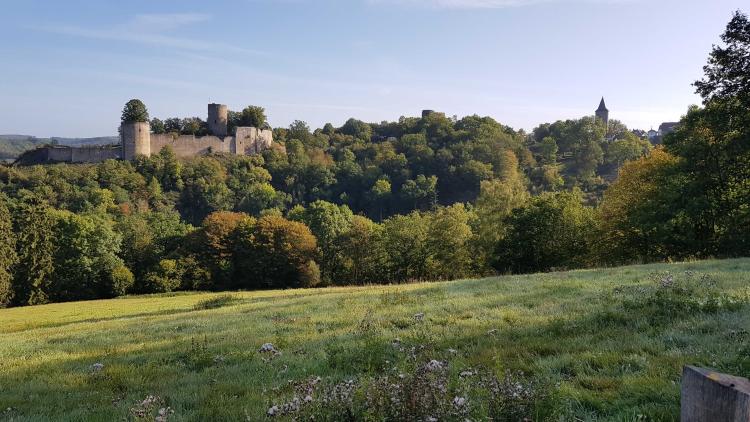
(602, 113)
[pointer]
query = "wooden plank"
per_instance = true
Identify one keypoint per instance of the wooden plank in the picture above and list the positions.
(712, 396)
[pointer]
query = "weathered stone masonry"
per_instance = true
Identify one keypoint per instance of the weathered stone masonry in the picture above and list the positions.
(136, 139)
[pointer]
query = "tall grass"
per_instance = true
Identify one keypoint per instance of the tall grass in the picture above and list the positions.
(593, 345)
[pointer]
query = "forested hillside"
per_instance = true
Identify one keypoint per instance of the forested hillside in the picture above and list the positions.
(418, 199)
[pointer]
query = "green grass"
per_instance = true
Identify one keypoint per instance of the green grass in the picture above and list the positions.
(596, 344)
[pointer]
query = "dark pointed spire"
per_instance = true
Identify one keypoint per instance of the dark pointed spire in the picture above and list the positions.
(602, 107)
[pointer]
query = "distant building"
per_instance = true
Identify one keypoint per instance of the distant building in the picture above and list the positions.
(652, 135)
(667, 128)
(602, 113)
(428, 113)
(136, 139)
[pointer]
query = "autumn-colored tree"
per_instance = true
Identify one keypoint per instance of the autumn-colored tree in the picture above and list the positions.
(274, 253)
(215, 244)
(637, 218)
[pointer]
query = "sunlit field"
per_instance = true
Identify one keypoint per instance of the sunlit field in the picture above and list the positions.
(603, 344)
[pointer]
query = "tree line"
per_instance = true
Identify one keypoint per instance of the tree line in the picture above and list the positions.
(419, 199)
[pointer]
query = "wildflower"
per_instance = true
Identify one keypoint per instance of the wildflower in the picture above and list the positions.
(267, 347)
(97, 367)
(492, 331)
(434, 365)
(452, 351)
(465, 374)
(458, 402)
(419, 316)
(272, 410)
(163, 414)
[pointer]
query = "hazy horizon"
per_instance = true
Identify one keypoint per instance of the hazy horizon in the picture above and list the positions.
(71, 67)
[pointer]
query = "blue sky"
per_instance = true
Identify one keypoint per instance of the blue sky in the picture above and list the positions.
(69, 66)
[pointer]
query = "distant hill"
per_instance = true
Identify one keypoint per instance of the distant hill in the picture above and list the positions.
(11, 146)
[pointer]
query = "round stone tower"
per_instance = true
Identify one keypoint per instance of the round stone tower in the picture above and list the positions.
(136, 139)
(217, 119)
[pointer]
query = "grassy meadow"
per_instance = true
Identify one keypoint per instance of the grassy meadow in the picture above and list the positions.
(605, 344)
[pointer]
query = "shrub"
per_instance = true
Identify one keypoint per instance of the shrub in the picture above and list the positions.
(121, 280)
(165, 277)
(678, 295)
(216, 302)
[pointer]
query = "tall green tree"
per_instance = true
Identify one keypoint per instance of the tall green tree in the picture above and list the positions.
(253, 116)
(8, 256)
(449, 239)
(327, 222)
(404, 239)
(728, 67)
(552, 230)
(134, 111)
(713, 147)
(33, 277)
(364, 260)
(86, 261)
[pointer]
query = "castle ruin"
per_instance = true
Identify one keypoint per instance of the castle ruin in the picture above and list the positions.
(136, 139)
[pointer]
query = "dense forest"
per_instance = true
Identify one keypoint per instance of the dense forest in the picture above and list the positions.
(418, 199)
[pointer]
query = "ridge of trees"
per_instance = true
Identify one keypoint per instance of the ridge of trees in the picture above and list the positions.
(419, 199)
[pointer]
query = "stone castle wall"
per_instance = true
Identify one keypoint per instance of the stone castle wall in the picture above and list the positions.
(186, 146)
(136, 139)
(251, 140)
(64, 154)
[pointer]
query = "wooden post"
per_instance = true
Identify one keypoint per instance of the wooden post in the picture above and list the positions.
(711, 396)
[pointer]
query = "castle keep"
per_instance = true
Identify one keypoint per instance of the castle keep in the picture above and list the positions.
(137, 138)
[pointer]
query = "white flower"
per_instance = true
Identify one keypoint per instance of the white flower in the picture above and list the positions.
(434, 365)
(267, 347)
(419, 316)
(308, 398)
(273, 410)
(459, 401)
(97, 367)
(452, 351)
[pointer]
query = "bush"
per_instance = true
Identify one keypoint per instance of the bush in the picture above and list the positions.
(216, 302)
(121, 280)
(680, 295)
(164, 278)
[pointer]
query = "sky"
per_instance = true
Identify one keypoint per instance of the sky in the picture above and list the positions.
(68, 67)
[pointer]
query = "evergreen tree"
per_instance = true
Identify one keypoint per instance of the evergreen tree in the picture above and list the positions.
(35, 251)
(8, 255)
